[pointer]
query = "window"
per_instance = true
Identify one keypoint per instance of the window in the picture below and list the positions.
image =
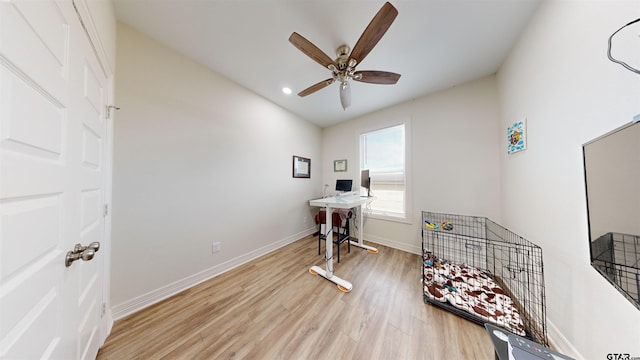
(383, 152)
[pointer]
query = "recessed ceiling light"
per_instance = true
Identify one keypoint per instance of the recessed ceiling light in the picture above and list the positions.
(286, 90)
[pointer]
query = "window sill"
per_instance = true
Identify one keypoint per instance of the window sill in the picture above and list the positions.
(399, 219)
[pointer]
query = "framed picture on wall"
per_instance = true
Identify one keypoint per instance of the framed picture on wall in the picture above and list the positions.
(301, 167)
(339, 165)
(517, 137)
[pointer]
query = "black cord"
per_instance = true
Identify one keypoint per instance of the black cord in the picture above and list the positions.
(626, 66)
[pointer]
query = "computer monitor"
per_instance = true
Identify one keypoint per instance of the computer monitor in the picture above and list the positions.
(344, 185)
(365, 181)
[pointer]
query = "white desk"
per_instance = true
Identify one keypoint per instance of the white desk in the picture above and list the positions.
(340, 202)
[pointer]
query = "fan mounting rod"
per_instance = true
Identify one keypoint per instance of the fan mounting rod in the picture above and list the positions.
(342, 52)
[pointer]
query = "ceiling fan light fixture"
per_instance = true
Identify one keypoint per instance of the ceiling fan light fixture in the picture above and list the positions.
(343, 68)
(345, 95)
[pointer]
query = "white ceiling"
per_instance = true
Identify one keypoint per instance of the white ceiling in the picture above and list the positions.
(434, 44)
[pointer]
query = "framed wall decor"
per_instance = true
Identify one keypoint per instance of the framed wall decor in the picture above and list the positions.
(301, 167)
(517, 137)
(339, 165)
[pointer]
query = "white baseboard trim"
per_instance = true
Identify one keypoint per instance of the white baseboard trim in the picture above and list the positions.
(140, 302)
(560, 343)
(414, 249)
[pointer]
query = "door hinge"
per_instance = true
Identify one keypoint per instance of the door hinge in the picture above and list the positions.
(105, 211)
(107, 110)
(103, 310)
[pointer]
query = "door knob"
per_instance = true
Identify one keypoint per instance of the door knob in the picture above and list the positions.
(85, 253)
(95, 246)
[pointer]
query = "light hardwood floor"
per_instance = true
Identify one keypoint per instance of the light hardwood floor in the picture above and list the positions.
(273, 308)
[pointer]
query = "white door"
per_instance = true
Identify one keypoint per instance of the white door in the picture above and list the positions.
(52, 182)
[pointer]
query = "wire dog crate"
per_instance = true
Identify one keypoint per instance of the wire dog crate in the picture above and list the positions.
(465, 255)
(617, 257)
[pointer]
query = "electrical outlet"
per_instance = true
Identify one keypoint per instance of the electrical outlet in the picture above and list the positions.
(215, 248)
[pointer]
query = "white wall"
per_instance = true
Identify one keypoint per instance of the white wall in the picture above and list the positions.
(559, 78)
(185, 133)
(454, 157)
(198, 159)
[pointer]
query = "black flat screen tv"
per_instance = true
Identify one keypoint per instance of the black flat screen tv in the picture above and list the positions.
(612, 177)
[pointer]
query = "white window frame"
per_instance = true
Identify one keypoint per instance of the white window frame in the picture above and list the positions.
(407, 217)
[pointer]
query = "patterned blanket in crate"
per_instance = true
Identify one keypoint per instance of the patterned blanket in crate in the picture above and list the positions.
(469, 289)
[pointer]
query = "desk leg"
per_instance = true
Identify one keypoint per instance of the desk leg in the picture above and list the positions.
(328, 244)
(360, 242)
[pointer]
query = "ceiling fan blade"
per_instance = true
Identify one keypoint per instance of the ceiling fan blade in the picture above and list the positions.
(374, 32)
(310, 50)
(377, 77)
(315, 87)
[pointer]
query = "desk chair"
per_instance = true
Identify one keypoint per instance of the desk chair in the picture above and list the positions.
(337, 222)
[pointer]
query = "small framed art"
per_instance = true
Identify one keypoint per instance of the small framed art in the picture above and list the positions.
(517, 137)
(339, 165)
(301, 167)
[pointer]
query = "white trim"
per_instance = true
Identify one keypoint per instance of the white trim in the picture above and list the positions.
(91, 30)
(389, 217)
(413, 249)
(408, 176)
(138, 303)
(109, 322)
(560, 343)
(95, 39)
